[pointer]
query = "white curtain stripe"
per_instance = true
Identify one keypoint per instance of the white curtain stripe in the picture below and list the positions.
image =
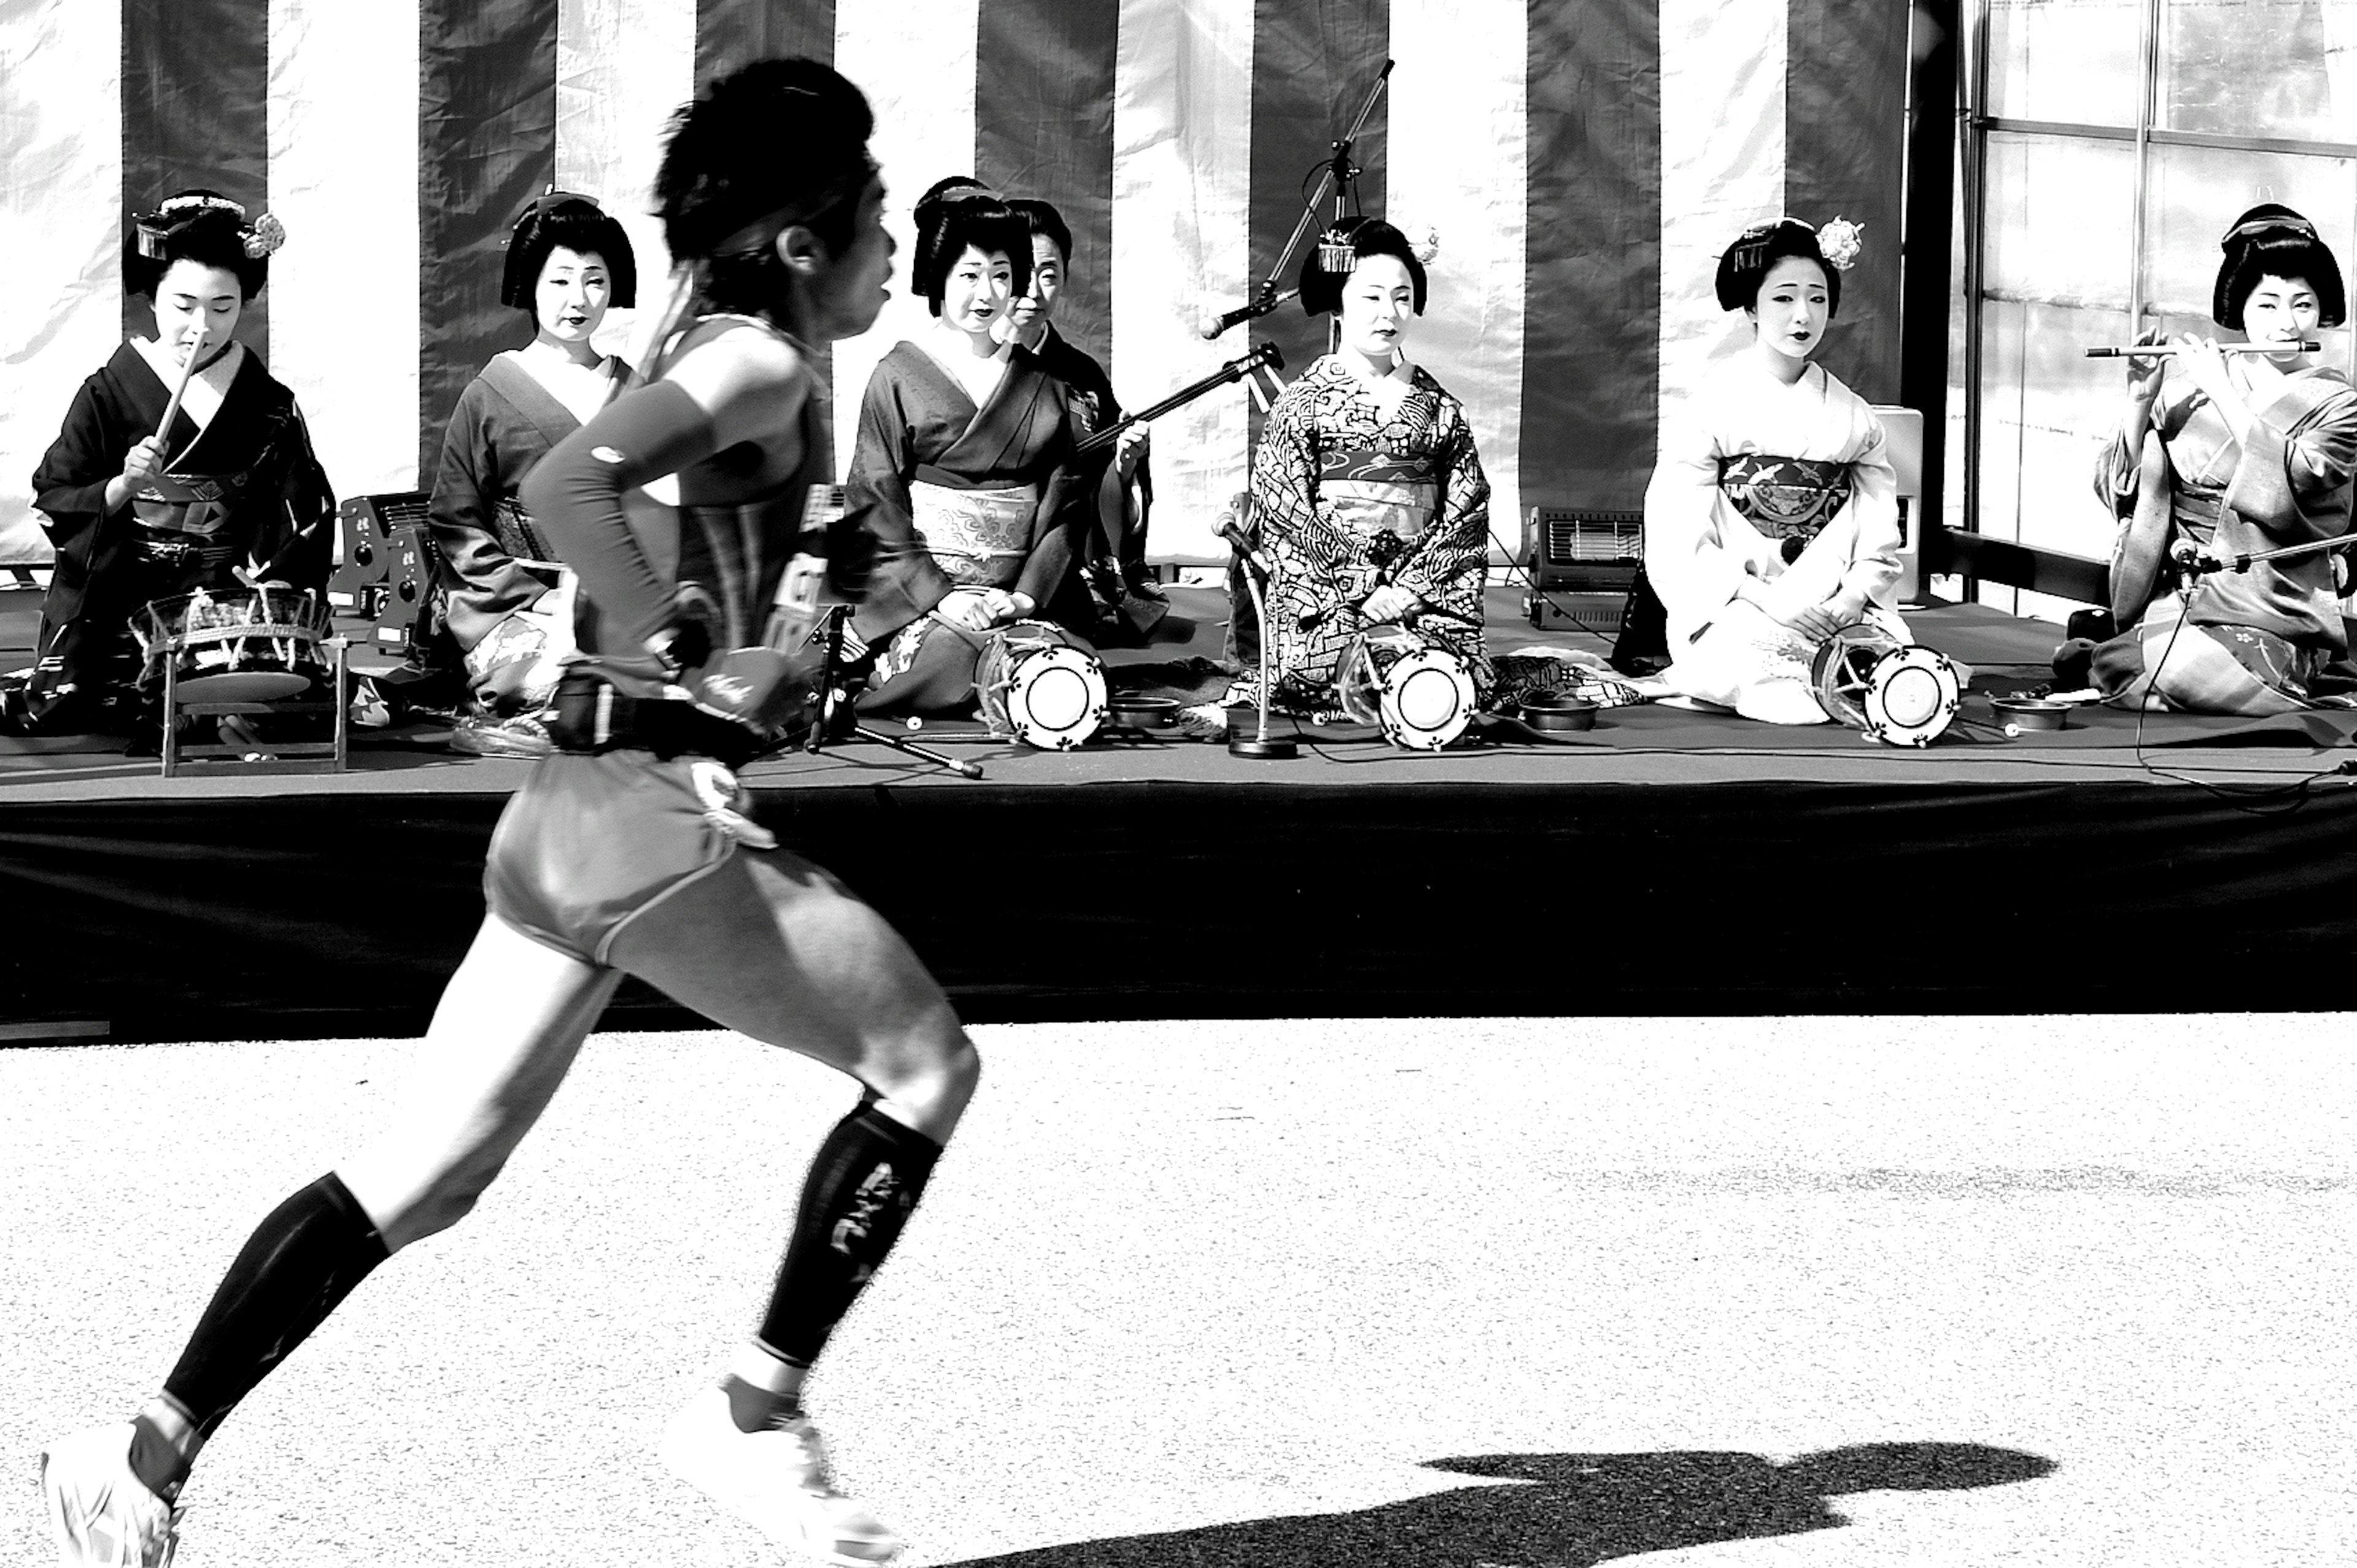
(343, 178)
(1723, 69)
(1458, 163)
(60, 229)
(623, 69)
(1181, 240)
(915, 60)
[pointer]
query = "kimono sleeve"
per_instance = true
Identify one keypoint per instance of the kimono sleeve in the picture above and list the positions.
(1685, 559)
(2287, 469)
(1448, 571)
(70, 485)
(906, 582)
(1873, 571)
(1284, 470)
(487, 582)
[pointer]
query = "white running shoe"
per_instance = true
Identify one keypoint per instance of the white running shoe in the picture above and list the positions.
(778, 1481)
(102, 1515)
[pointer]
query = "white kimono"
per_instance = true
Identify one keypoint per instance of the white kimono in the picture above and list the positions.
(1718, 512)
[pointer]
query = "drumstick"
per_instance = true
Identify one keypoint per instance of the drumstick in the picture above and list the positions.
(187, 369)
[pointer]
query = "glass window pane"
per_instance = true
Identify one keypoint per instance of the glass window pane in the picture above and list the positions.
(2076, 61)
(2060, 215)
(2195, 194)
(2259, 67)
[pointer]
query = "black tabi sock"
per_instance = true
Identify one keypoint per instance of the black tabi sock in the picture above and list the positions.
(867, 1179)
(297, 1265)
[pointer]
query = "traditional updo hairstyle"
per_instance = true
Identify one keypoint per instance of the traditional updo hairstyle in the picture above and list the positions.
(204, 227)
(1042, 217)
(576, 223)
(1325, 269)
(2272, 241)
(781, 142)
(1756, 252)
(957, 213)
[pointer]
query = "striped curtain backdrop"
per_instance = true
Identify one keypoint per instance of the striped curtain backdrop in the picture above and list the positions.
(1582, 162)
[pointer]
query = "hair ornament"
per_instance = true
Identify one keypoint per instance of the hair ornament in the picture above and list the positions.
(266, 235)
(1335, 252)
(1841, 240)
(1429, 247)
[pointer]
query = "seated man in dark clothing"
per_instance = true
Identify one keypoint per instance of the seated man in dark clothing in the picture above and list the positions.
(1112, 565)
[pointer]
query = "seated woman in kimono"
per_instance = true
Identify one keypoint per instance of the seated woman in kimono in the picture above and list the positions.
(964, 440)
(2241, 454)
(1771, 521)
(229, 498)
(1367, 494)
(567, 262)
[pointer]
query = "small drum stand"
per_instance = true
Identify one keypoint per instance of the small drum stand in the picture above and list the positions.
(1257, 567)
(832, 699)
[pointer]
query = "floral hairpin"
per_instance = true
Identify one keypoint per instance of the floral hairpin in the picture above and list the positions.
(1840, 241)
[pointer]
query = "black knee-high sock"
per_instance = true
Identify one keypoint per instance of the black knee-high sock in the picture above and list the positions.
(299, 1263)
(865, 1180)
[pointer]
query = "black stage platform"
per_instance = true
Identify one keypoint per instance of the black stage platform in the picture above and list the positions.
(1665, 863)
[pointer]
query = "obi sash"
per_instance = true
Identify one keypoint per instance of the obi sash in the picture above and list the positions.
(203, 505)
(1784, 498)
(1368, 494)
(980, 537)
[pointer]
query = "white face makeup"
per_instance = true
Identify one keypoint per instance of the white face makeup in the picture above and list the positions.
(976, 291)
(192, 295)
(571, 296)
(1793, 309)
(1378, 300)
(2281, 310)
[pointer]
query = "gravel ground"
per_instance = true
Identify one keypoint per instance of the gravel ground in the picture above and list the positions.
(2049, 1291)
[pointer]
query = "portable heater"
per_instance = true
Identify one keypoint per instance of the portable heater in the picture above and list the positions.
(1582, 564)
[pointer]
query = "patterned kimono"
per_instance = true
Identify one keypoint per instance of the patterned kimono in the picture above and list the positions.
(244, 498)
(2255, 642)
(991, 495)
(1751, 472)
(1357, 485)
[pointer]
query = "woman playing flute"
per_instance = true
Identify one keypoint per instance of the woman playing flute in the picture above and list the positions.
(2239, 454)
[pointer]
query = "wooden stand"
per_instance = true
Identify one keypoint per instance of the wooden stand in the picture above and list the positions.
(283, 757)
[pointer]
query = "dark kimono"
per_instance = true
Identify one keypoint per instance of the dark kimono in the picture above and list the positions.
(243, 500)
(505, 422)
(992, 496)
(1095, 408)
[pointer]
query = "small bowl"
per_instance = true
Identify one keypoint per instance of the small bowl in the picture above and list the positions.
(1550, 712)
(2019, 714)
(1143, 712)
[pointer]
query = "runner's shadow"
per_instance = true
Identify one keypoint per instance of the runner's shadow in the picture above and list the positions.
(1582, 1509)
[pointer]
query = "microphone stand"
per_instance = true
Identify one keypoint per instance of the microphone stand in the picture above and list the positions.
(1255, 567)
(830, 639)
(1337, 173)
(2192, 559)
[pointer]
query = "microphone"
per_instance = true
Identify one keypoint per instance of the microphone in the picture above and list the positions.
(1243, 547)
(1792, 547)
(1211, 324)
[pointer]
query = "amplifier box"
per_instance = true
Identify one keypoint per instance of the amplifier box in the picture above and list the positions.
(1582, 563)
(409, 613)
(364, 527)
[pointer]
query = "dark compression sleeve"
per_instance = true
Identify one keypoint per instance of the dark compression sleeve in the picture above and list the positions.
(575, 494)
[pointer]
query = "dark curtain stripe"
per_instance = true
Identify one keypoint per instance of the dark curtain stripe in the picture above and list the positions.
(1592, 276)
(195, 77)
(1313, 65)
(1043, 127)
(1844, 156)
(731, 33)
(487, 145)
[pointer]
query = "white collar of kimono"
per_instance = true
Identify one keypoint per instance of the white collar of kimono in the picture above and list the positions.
(206, 388)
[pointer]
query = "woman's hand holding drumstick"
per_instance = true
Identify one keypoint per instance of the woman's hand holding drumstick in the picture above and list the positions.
(145, 458)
